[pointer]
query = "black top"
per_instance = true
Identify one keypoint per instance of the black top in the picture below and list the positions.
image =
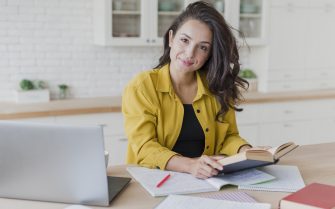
(191, 140)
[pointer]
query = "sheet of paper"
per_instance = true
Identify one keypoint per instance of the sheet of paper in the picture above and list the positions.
(288, 179)
(246, 177)
(189, 202)
(178, 183)
(232, 196)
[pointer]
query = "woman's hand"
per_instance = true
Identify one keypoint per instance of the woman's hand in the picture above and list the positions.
(202, 167)
(205, 166)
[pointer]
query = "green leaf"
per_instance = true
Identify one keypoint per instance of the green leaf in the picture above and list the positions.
(26, 85)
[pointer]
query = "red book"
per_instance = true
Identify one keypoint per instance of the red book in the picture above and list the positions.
(313, 196)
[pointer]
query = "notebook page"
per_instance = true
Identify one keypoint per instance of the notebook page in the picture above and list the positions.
(232, 196)
(249, 176)
(189, 202)
(178, 183)
(288, 179)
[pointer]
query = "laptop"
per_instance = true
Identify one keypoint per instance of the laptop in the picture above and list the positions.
(55, 163)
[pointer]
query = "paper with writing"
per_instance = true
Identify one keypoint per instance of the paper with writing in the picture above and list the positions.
(183, 183)
(189, 202)
(288, 179)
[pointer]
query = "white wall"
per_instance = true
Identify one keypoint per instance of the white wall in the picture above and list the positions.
(52, 40)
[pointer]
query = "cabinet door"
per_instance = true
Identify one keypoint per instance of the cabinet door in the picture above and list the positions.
(164, 12)
(121, 22)
(116, 145)
(320, 37)
(274, 134)
(250, 133)
(249, 115)
(252, 20)
(287, 29)
(322, 131)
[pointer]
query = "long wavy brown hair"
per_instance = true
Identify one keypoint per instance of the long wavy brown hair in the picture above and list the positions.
(222, 67)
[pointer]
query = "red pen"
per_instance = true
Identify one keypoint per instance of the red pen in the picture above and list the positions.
(163, 180)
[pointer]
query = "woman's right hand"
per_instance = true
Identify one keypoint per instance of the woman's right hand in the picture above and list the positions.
(205, 166)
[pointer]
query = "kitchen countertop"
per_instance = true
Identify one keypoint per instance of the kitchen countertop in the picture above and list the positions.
(11, 110)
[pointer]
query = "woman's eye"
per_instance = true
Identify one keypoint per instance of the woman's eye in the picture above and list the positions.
(204, 48)
(184, 40)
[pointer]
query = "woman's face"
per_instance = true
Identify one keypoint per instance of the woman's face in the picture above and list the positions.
(190, 47)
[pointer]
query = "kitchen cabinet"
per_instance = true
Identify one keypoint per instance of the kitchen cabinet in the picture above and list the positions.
(143, 23)
(300, 45)
(134, 22)
(248, 123)
(281, 132)
(304, 122)
(252, 21)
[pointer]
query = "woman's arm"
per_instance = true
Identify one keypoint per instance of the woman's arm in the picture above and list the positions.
(202, 167)
(140, 115)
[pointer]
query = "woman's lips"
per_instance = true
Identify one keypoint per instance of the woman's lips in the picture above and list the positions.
(187, 63)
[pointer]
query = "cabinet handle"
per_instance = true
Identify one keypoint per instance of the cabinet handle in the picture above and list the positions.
(287, 76)
(288, 112)
(153, 40)
(148, 40)
(103, 125)
(123, 139)
(287, 125)
(290, 7)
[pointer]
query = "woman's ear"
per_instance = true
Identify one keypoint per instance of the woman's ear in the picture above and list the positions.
(170, 37)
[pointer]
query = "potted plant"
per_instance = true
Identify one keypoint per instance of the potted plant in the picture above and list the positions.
(249, 75)
(32, 91)
(63, 91)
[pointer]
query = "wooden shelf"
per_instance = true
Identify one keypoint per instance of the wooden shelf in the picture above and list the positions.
(250, 15)
(172, 13)
(125, 12)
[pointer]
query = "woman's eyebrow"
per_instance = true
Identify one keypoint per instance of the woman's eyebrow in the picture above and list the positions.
(189, 37)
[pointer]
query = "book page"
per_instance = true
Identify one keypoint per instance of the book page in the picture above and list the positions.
(178, 183)
(189, 202)
(288, 179)
(284, 149)
(249, 176)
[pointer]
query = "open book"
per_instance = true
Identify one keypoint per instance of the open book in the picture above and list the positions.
(255, 157)
(183, 183)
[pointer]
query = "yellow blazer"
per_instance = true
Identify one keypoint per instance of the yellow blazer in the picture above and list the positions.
(153, 116)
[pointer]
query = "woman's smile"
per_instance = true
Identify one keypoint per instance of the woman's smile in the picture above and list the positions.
(187, 63)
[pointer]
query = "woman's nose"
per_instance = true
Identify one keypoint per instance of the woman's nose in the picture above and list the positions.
(190, 51)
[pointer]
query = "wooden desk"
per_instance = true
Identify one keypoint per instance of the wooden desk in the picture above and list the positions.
(316, 164)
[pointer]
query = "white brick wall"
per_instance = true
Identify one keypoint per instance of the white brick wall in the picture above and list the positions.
(52, 40)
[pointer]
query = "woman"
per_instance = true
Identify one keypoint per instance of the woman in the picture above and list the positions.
(180, 116)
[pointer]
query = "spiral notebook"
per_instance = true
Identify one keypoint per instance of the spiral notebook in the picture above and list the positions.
(183, 183)
(288, 179)
(189, 202)
(231, 196)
